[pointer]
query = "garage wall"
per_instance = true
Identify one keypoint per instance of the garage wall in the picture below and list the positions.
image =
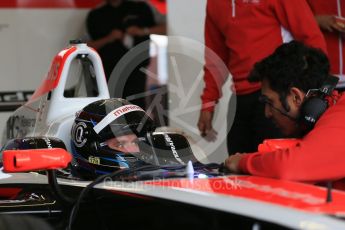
(29, 39)
(186, 50)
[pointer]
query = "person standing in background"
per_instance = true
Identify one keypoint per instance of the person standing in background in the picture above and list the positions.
(114, 28)
(242, 32)
(329, 15)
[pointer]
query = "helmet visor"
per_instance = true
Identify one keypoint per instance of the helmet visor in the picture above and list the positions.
(160, 149)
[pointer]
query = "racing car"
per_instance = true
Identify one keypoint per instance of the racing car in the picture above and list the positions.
(35, 179)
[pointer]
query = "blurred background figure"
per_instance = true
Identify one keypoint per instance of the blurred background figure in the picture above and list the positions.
(117, 26)
(329, 16)
(242, 33)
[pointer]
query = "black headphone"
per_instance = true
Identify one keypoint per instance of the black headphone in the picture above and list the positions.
(316, 103)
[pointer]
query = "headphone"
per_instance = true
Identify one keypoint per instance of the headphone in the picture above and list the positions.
(316, 103)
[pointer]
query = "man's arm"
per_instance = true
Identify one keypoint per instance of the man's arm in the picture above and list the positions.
(214, 73)
(111, 37)
(160, 19)
(318, 157)
(326, 22)
(297, 17)
(143, 31)
(98, 36)
(156, 22)
(329, 23)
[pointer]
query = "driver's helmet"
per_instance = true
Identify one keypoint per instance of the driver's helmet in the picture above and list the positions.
(104, 135)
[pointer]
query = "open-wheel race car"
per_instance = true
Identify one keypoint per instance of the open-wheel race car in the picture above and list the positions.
(170, 189)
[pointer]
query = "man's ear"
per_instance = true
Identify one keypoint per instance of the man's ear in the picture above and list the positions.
(297, 96)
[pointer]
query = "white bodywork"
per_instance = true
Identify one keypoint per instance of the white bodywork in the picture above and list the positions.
(51, 113)
(284, 216)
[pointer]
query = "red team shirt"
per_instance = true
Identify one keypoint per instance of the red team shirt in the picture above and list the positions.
(243, 32)
(319, 157)
(334, 40)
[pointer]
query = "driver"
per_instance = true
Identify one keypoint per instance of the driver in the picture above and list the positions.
(126, 143)
(105, 135)
(112, 134)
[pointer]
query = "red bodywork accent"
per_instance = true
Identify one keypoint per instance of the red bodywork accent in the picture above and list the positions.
(35, 159)
(159, 4)
(271, 145)
(9, 193)
(54, 74)
(289, 194)
(128, 194)
(49, 3)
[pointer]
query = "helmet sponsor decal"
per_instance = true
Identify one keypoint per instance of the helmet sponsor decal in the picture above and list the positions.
(94, 160)
(48, 143)
(78, 132)
(173, 148)
(113, 115)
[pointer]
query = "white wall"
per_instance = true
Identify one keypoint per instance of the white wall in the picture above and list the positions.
(185, 57)
(29, 39)
(3, 118)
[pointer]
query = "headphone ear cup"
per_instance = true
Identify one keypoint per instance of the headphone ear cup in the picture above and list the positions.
(311, 111)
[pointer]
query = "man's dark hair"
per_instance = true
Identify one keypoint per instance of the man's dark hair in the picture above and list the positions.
(292, 65)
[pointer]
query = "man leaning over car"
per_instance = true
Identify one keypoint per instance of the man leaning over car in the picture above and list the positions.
(288, 77)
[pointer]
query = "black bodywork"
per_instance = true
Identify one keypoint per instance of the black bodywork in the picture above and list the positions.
(110, 209)
(106, 209)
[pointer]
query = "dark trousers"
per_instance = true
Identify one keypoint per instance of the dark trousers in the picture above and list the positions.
(135, 88)
(247, 124)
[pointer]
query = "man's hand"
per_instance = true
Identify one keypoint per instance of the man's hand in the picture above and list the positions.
(232, 162)
(115, 35)
(137, 31)
(205, 126)
(329, 23)
(111, 37)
